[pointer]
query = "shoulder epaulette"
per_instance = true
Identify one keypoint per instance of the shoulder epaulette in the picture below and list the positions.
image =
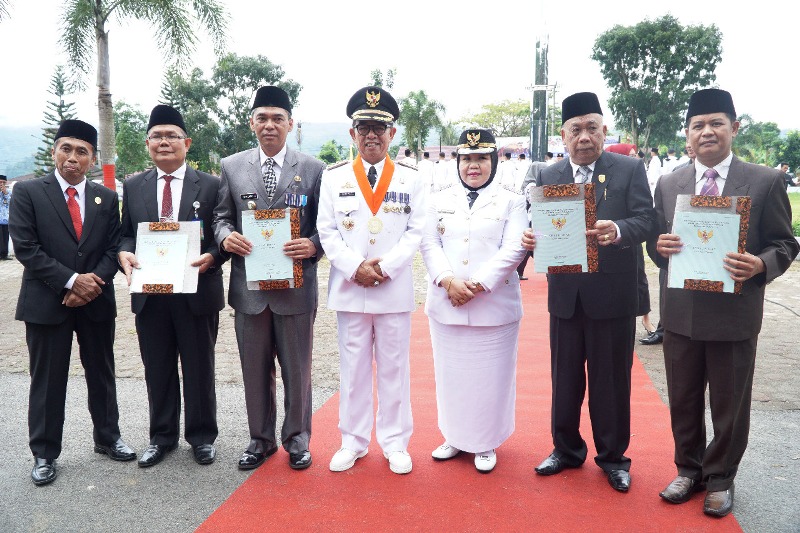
(404, 164)
(337, 164)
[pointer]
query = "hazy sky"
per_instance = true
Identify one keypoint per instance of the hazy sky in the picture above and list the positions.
(461, 57)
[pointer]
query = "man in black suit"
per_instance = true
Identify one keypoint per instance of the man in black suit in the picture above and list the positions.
(173, 325)
(593, 315)
(66, 232)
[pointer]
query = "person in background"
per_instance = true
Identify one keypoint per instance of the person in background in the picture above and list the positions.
(653, 170)
(5, 199)
(710, 338)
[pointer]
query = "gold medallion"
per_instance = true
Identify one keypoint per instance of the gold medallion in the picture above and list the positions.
(375, 225)
(251, 205)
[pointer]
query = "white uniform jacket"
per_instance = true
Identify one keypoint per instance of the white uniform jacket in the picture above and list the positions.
(348, 243)
(482, 244)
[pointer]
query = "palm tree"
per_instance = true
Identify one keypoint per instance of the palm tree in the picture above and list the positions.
(418, 115)
(85, 34)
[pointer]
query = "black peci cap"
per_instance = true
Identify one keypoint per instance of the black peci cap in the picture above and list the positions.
(579, 104)
(163, 115)
(476, 141)
(707, 101)
(272, 96)
(77, 129)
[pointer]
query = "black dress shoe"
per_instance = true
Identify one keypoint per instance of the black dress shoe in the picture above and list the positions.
(300, 461)
(250, 460)
(653, 338)
(552, 465)
(154, 454)
(681, 489)
(119, 451)
(204, 454)
(719, 503)
(619, 480)
(44, 471)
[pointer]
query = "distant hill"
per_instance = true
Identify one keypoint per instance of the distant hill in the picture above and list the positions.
(18, 145)
(17, 148)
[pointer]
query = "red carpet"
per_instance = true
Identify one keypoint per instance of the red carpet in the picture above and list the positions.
(452, 495)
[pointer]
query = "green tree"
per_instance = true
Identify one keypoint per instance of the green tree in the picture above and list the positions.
(758, 142)
(652, 69)
(196, 99)
(790, 152)
(449, 134)
(418, 115)
(379, 79)
(56, 112)
(331, 152)
(236, 79)
(85, 37)
(506, 119)
(130, 123)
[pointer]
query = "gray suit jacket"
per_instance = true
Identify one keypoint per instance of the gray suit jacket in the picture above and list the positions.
(706, 316)
(241, 177)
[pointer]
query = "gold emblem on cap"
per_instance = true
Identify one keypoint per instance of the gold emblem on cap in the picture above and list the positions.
(373, 98)
(473, 138)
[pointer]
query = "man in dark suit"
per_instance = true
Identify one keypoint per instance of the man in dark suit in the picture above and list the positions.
(276, 322)
(173, 325)
(593, 315)
(710, 338)
(66, 232)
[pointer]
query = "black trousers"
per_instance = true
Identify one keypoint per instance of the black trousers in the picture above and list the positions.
(601, 349)
(167, 331)
(3, 241)
(49, 347)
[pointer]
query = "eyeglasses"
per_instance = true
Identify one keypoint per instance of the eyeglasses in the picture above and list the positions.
(378, 129)
(171, 138)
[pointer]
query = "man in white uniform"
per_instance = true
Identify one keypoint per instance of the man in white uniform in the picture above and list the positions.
(425, 167)
(370, 223)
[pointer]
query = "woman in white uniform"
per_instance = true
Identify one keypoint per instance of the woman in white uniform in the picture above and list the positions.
(471, 249)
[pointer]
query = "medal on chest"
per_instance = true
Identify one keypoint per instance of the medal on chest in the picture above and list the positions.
(375, 225)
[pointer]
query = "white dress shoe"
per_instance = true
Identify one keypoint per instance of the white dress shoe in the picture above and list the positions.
(344, 459)
(485, 461)
(445, 452)
(399, 461)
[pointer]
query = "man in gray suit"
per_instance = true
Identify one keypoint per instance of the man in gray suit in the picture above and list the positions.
(278, 321)
(710, 337)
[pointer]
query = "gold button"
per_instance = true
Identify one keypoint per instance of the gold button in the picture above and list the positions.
(466, 239)
(372, 241)
(465, 261)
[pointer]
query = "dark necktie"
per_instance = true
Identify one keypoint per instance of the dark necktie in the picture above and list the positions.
(710, 187)
(270, 179)
(472, 195)
(74, 211)
(372, 176)
(166, 200)
(586, 174)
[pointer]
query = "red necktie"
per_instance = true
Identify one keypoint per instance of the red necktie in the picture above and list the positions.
(74, 211)
(166, 200)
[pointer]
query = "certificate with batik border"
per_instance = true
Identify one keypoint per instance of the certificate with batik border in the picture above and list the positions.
(165, 252)
(267, 267)
(709, 228)
(560, 216)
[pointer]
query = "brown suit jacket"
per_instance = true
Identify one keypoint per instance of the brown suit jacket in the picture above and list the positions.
(706, 316)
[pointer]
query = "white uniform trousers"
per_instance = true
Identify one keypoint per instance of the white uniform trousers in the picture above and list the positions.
(387, 337)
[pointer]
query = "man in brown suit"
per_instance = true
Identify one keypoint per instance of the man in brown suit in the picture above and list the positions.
(710, 338)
